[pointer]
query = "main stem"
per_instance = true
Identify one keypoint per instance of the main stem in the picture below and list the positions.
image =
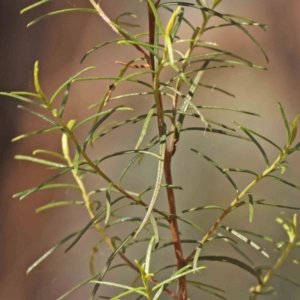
(180, 261)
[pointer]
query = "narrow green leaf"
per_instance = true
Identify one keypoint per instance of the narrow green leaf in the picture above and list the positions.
(109, 261)
(262, 202)
(286, 122)
(176, 276)
(199, 117)
(48, 187)
(264, 138)
(67, 86)
(233, 261)
(65, 100)
(202, 208)
(25, 135)
(148, 46)
(198, 286)
(229, 109)
(67, 10)
(284, 181)
(58, 204)
(197, 255)
(288, 280)
(37, 83)
(55, 154)
(160, 171)
(39, 115)
(39, 187)
(245, 239)
(187, 103)
(131, 120)
(87, 227)
(133, 290)
(262, 26)
(195, 226)
(240, 170)
(129, 152)
(229, 63)
(145, 126)
(117, 20)
(98, 47)
(184, 19)
(76, 160)
(213, 130)
(150, 145)
(49, 252)
(222, 237)
(177, 24)
(95, 126)
(170, 29)
(205, 285)
(40, 161)
(268, 239)
(148, 255)
(33, 6)
(130, 95)
(122, 286)
(155, 230)
(158, 293)
(108, 202)
(229, 260)
(29, 94)
(133, 220)
(181, 74)
(170, 186)
(251, 207)
(237, 249)
(219, 168)
(126, 14)
(16, 96)
(214, 88)
(109, 111)
(261, 149)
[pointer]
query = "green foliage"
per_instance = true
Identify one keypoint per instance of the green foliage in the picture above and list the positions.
(159, 53)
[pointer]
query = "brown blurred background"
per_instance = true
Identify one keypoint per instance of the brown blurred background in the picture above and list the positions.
(58, 43)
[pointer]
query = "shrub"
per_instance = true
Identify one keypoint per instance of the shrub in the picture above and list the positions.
(172, 101)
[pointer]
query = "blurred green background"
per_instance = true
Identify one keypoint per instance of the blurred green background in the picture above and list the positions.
(59, 43)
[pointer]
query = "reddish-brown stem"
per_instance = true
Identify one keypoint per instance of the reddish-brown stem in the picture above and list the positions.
(180, 261)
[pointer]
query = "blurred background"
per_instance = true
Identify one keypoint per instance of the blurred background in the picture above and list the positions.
(58, 43)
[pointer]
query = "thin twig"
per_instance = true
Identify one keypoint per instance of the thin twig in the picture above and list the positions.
(238, 198)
